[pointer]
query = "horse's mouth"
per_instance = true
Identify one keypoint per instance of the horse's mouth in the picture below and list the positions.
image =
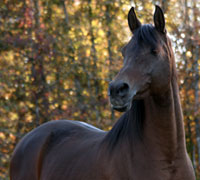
(122, 108)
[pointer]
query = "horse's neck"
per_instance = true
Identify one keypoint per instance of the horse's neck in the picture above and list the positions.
(163, 133)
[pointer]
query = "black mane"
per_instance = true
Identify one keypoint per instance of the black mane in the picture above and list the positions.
(146, 34)
(128, 127)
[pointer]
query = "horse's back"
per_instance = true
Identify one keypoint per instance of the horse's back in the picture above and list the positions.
(33, 149)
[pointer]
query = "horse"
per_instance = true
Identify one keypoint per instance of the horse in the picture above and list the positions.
(147, 141)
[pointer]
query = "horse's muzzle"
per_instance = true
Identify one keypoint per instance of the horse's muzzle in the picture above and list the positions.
(118, 93)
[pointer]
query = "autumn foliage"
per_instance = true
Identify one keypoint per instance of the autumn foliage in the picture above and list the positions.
(58, 56)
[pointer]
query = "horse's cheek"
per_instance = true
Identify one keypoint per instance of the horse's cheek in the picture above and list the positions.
(160, 77)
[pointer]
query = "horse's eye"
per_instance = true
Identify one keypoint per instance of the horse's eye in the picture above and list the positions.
(154, 51)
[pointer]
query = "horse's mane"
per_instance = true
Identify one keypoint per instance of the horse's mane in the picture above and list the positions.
(146, 34)
(129, 125)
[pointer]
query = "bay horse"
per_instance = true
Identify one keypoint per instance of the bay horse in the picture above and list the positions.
(146, 143)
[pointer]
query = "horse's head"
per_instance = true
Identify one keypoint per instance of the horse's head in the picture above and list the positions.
(147, 63)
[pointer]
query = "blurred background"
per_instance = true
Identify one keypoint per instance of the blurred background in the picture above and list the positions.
(58, 56)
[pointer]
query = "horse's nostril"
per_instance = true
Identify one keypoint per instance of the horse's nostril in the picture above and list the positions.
(119, 89)
(122, 89)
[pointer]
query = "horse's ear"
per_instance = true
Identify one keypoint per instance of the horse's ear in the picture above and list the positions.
(159, 20)
(133, 22)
